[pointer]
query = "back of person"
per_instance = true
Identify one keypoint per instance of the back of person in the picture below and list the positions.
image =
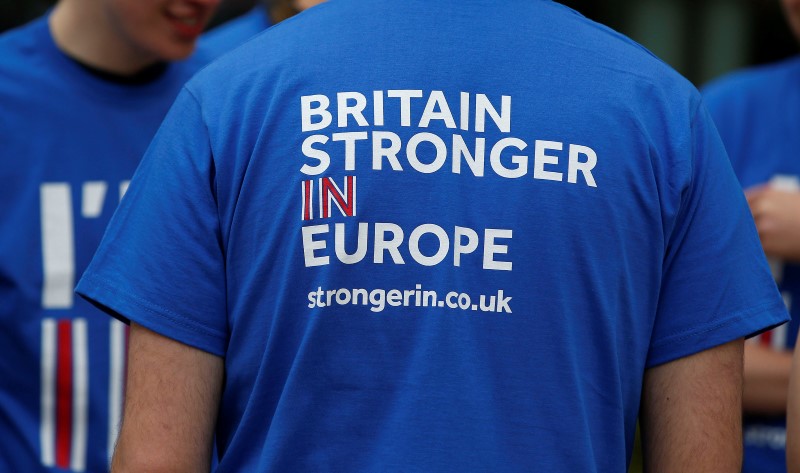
(448, 236)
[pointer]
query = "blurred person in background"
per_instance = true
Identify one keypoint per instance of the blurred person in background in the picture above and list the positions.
(757, 112)
(265, 14)
(309, 236)
(82, 91)
(793, 418)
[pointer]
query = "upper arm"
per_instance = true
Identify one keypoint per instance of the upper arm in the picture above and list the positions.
(171, 401)
(691, 412)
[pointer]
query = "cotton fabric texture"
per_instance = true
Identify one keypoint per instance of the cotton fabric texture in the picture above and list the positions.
(308, 212)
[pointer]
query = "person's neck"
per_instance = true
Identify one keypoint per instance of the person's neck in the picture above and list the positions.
(84, 33)
(144, 76)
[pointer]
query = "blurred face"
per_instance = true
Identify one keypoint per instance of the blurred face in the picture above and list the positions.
(160, 29)
(792, 10)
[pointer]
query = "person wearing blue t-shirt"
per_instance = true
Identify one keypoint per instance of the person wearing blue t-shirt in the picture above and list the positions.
(415, 235)
(83, 89)
(755, 111)
(793, 417)
(237, 31)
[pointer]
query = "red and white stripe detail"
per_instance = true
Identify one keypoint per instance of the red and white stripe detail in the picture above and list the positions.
(118, 345)
(775, 338)
(58, 246)
(330, 195)
(308, 200)
(65, 393)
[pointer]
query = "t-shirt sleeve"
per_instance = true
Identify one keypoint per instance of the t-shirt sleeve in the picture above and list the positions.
(161, 261)
(716, 284)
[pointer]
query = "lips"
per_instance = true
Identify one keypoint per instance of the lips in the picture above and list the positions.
(187, 27)
(187, 20)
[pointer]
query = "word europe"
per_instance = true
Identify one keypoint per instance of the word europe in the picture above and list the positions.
(551, 159)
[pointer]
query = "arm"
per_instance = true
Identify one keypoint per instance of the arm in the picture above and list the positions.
(691, 413)
(793, 419)
(766, 380)
(171, 402)
(777, 216)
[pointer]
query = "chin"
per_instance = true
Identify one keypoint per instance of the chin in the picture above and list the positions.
(175, 52)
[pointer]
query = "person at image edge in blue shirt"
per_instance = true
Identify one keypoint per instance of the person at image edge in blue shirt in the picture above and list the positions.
(83, 90)
(756, 113)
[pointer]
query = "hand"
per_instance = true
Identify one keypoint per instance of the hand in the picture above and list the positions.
(777, 216)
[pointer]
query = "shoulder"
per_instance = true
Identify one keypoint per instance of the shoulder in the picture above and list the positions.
(20, 44)
(24, 66)
(352, 26)
(618, 54)
(348, 42)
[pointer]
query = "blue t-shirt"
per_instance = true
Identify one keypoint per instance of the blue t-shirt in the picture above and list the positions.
(436, 236)
(234, 33)
(756, 112)
(70, 142)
